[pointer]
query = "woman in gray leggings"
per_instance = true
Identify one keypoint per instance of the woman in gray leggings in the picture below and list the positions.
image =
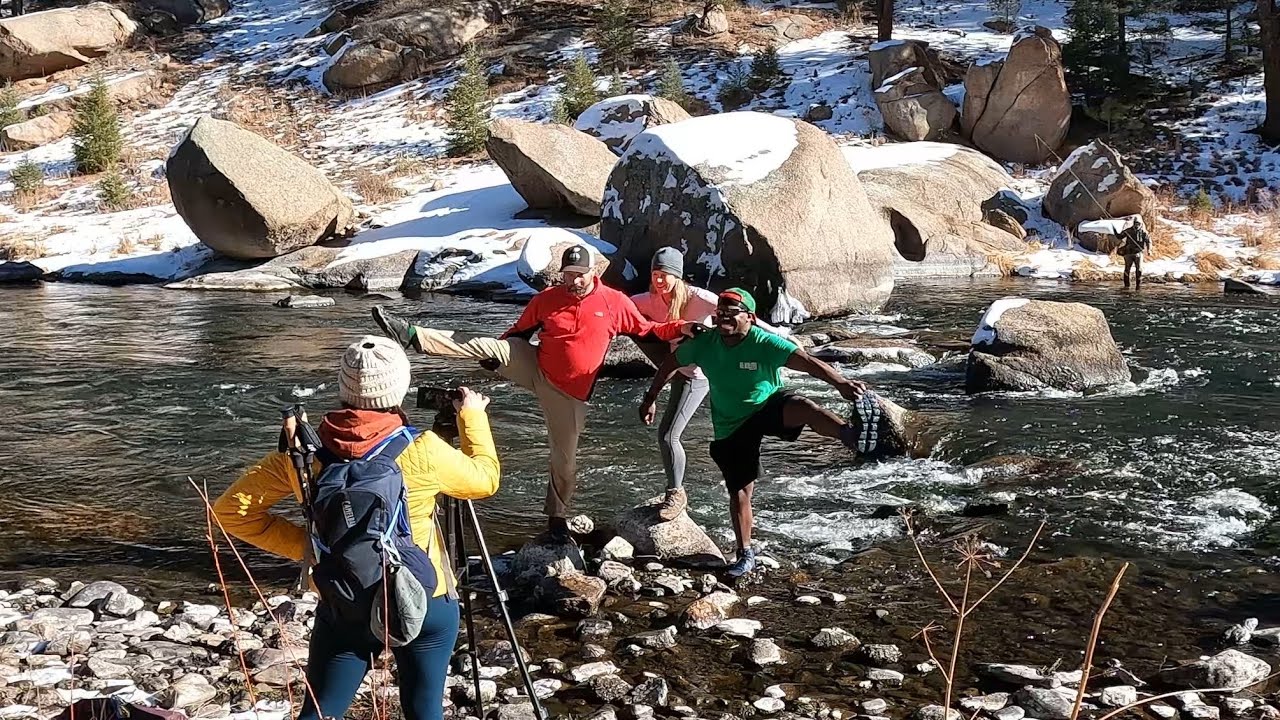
(671, 298)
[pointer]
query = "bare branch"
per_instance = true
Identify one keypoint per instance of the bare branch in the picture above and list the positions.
(1004, 577)
(1093, 640)
(920, 554)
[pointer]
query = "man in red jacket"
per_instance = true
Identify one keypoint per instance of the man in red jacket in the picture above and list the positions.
(576, 321)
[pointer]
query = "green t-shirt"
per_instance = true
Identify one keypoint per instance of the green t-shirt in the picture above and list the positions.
(741, 377)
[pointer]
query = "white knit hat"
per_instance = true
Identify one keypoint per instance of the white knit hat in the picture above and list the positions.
(374, 375)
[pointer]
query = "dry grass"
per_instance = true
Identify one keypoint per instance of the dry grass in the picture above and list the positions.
(1195, 278)
(16, 248)
(1210, 263)
(267, 113)
(26, 201)
(1163, 243)
(1087, 271)
(1005, 263)
(154, 242)
(375, 189)
(1266, 261)
(127, 246)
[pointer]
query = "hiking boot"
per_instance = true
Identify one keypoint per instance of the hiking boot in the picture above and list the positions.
(394, 327)
(673, 504)
(745, 564)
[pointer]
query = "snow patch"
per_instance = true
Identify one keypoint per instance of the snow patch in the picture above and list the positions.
(745, 146)
(864, 157)
(1107, 182)
(986, 333)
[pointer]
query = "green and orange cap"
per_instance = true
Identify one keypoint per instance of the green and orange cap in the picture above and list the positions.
(740, 297)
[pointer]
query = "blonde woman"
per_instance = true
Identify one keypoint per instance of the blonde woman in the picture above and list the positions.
(671, 298)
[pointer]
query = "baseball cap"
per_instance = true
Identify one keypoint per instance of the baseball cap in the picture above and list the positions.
(577, 258)
(741, 297)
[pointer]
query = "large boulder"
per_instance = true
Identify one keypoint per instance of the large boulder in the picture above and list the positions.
(1094, 183)
(14, 272)
(438, 29)
(912, 108)
(757, 200)
(539, 263)
(45, 42)
(38, 131)
(360, 64)
(1017, 109)
(618, 119)
(891, 57)
(941, 190)
(1227, 669)
(552, 166)
(249, 199)
(679, 539)
(1036, 344)
(713, 21)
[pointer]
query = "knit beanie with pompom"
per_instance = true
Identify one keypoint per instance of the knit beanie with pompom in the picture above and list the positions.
(374, 375)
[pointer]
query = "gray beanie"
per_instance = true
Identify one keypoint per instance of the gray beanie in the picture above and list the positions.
(668, 260)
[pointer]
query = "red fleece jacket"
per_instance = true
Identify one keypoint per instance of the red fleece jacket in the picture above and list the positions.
(575, 332)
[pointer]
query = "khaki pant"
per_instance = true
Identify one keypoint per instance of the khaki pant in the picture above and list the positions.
(564, 415)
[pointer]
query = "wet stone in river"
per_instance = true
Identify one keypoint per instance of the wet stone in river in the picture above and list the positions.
(986, 703)
(834, 637)
(882, 654)
(609, 688)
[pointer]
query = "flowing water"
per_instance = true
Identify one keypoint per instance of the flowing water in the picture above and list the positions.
(112, 397)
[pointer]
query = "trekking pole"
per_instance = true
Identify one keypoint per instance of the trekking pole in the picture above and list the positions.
(538, 711)
(302, 446)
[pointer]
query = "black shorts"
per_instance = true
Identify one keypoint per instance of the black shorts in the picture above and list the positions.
(738, 456)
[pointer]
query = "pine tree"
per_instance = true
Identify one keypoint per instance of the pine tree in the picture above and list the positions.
(766, 70)
(468, 106)
(1091, 53)
(1006, 11)
(9, 112)
(616, 35)
(733, 92)
(96, 130)
(671, 85)
(617, 86)
(27, 177)
(577, 93)
(1201, 204)
(113, 191)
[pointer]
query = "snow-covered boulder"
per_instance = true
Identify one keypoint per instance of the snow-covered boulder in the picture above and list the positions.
(1103, 236)
(247, 198)
(941, 189)
(38, 131)
(1094, 183)
(1025, 344)
(45, 42)
(912, 108)
(618, 119)
(1017, 109)
(757, 200)
(891, 57)
(552, 166)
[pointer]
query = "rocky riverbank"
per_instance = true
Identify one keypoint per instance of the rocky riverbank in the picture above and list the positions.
(634, 636)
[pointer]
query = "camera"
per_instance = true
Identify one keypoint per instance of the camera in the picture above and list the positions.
(437, 399)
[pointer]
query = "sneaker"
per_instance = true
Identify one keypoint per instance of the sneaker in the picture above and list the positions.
(394, 327)
(673, 504)
(745, 564)
(864, 436)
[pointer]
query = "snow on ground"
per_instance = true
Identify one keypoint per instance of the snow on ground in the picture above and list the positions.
(266, 42)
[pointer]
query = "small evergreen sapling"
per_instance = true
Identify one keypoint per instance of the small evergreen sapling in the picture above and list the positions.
(468, 107)
(96, 130)
(671, 85)
(577, 93)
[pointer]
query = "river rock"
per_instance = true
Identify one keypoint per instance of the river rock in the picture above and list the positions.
(614, 572)
(1227, 669)
(1047, 703)
(769, 705)
(501, 654)
(102, 668)
(892, 57)
(653, 692)
(249, 199)
(42, 43)
(708, 611)
(400, 46)
(1013, 674)
(986, 703)
(941, 190)
(552, 166)
(1013, 712)
(305, 301)
(779, 212)
(542, 557)
(1018, 109)
(882, 654)
(617, 549)
(583, 673)
(164, 650)
(891, 678)
(656, 639)
(1118, 696)
(937, 712)
(1094, 183)
(713, 21)
(19, 272)
(572, 594)
(764, 652)
(833, 638)
(1023, 345)
(677, 539)
(517, 711)
(95, 594)
(857, 352)
(189, 691)
(1235, 707)
(616, 120)
(1229, 286)
(278, 675)
(38, 131)
(63, 618)
(488, 691)
(912, 108)
(76, 642)
(609, 688)
(594, 629)
(739, 627)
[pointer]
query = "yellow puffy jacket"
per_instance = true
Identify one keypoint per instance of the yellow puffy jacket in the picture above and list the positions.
(430, 466)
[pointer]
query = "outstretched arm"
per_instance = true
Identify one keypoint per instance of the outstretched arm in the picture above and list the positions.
(666, 370)
(801, 361)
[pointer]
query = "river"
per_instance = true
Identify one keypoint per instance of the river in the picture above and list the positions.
(113, 397)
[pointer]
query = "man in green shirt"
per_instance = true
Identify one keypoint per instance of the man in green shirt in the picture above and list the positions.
(743, 365)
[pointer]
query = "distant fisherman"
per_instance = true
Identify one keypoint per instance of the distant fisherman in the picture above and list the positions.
(1135, 241)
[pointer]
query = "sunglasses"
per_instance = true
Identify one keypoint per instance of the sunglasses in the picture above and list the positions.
(730, 310)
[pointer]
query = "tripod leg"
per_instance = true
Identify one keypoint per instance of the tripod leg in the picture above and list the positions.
(458, 545)
(501, 595)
